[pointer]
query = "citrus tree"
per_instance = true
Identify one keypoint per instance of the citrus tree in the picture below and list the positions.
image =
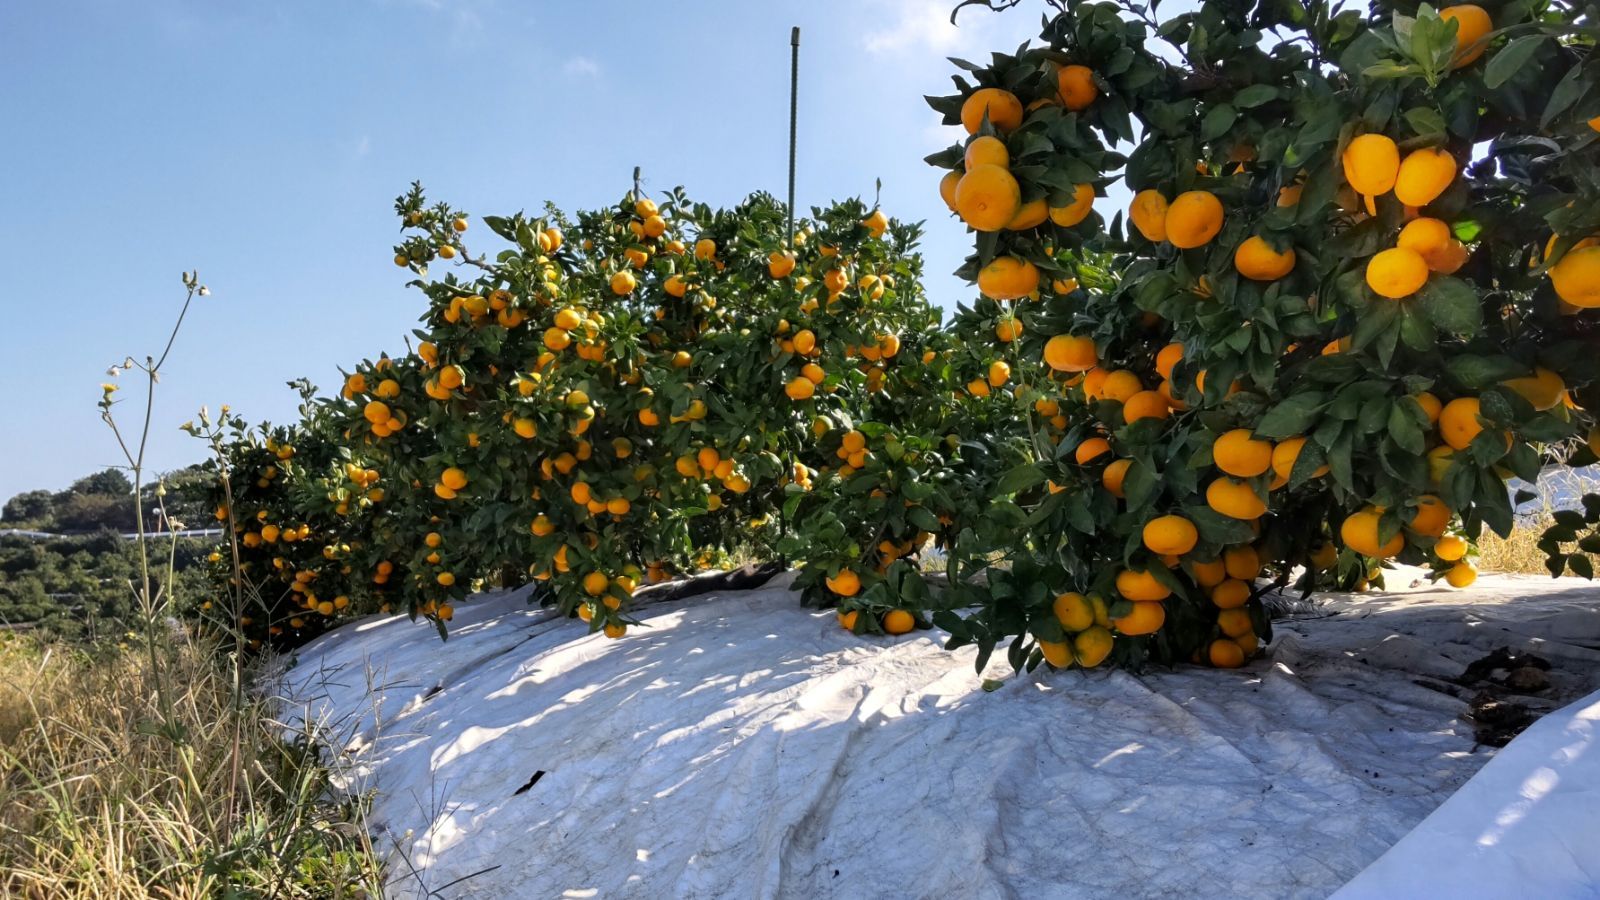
(1353, 301)
(638, 391)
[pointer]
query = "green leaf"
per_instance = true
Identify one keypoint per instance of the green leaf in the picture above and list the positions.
(1511, 57)
(1570, 518)
(1218, 121)
(1425, 121)
(953, 623)
(1310, 458)
(1494, 503)
(1451, 305)
(1216, 528)
(1364, 239)
(1390, 70)
(1078, 514)
(923, 518)
(1139, 484)
(1404, 429)
(1568, 90)
(1254, 96)
(1293, 416)
(1378, 319)
(1478, 372)
(1020, 478)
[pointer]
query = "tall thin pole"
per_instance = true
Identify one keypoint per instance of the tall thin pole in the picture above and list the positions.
(794, 101)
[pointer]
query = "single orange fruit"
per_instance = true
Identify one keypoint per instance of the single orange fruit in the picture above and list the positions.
(898, 621)
(1235, 499)
(1145, 618)
(1002, 107)
(1082, 204)
(1359, 532)
(1115, 473)
(1461, 575)
(947, 189)
(1056, 653)
(1396, 272)
(1193, 219)
(1543, 389)
(1076, 87)
(1234, 622)
(1209, 573)
(1091, 449)
(1167, 358)
(1430, 517)
(1423, 176)
(1092, 645)
(1458, 422)
(1073, 610)
(1120, 386)
(1257, 260)
(1576, 277)
(986, 150)
(1450, 548)
(1170, 535)
(1371, 165)
(1029, 215)
(1225, 654)
(1149, 214)
(1231, 594)
(1431, 407)
(988, 198)
(1240, 454)
(1140, 585)
(1070, 353)
(1145, 405)
(1287, 453)
(845, 584)
(1242, 562)
(1472, 26)
(1008, 278)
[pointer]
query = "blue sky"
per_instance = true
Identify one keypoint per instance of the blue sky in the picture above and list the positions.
(264, 143)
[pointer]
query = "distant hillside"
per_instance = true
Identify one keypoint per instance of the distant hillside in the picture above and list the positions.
(76, 583)
(104, 501)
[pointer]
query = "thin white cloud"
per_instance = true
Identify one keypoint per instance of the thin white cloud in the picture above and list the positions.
(466, 26)
(466, 20)
(354, 149)
(581, 66)
(915, 24)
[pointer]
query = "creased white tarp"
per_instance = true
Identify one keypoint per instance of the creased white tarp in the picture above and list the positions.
(745, 746)
(1526, 826)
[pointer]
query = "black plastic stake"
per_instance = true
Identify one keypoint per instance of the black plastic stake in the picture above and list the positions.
(794, 99)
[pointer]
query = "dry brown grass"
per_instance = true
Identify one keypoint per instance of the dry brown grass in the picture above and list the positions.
(1520, 551)
(99, 799)
(1517, 553)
